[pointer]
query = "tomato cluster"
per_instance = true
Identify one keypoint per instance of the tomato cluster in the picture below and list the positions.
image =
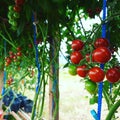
(90, 68)
(14, 13)
(14, 57)
(18, 5)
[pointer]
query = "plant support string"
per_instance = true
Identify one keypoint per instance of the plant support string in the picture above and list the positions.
(100, 86)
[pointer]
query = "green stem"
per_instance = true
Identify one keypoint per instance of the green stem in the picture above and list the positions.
(116, 94)
(43, 98)
(3, 37)
(7, 33)
(42, 80)
(113, 110)
(107, 98)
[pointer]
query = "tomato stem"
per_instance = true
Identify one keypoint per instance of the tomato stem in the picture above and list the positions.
(113, 110)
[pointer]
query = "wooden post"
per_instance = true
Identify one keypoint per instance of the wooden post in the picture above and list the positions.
(54, 81)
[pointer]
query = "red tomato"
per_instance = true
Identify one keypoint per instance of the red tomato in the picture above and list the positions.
(8, 60)
(10, 53)
(18, 48)
(76, 57)
(101, 42)
(19, 53)
(113, 75)
(17, 8)
(77, 45)
(82, 71)
(96, 74)
(19, 2)
(98, 10)
(87, 56)
(11, 56)
(101, 55)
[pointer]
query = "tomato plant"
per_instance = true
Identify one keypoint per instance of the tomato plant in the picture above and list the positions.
(96, 74)
(53, 27)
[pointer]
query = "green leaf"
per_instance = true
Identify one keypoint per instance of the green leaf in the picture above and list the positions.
(20, 28)
(28, 12)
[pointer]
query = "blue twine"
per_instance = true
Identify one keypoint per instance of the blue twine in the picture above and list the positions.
(100, 86)
(4, 82)
(94, 114)
(5, 73)
(36, 53)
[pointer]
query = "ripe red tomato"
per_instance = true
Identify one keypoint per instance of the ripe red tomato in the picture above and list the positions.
(96, 74)
(72, 69)
(8, 60)
(77, 45)
(76, 57)
(90, 86)
(101, 42)
(19, 2)
(117, 67)
(101, 55)
(113, 75)
(19, 53)
(87, 56)
(17, 8)
(82, 71)
(18, 48)
(98, 10)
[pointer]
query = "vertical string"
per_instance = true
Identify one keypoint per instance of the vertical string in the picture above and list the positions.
(5, 73)
(100, 86)
(36, 52)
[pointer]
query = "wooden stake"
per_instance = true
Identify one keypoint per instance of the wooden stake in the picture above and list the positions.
(54, 95)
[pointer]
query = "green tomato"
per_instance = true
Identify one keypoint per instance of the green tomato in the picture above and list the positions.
(93, 100)
(72, 69)
(14, 28)
(11, 21)
(14, 23)
(10, 7)
(10, 15)
(91, 86)
(16, 15)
